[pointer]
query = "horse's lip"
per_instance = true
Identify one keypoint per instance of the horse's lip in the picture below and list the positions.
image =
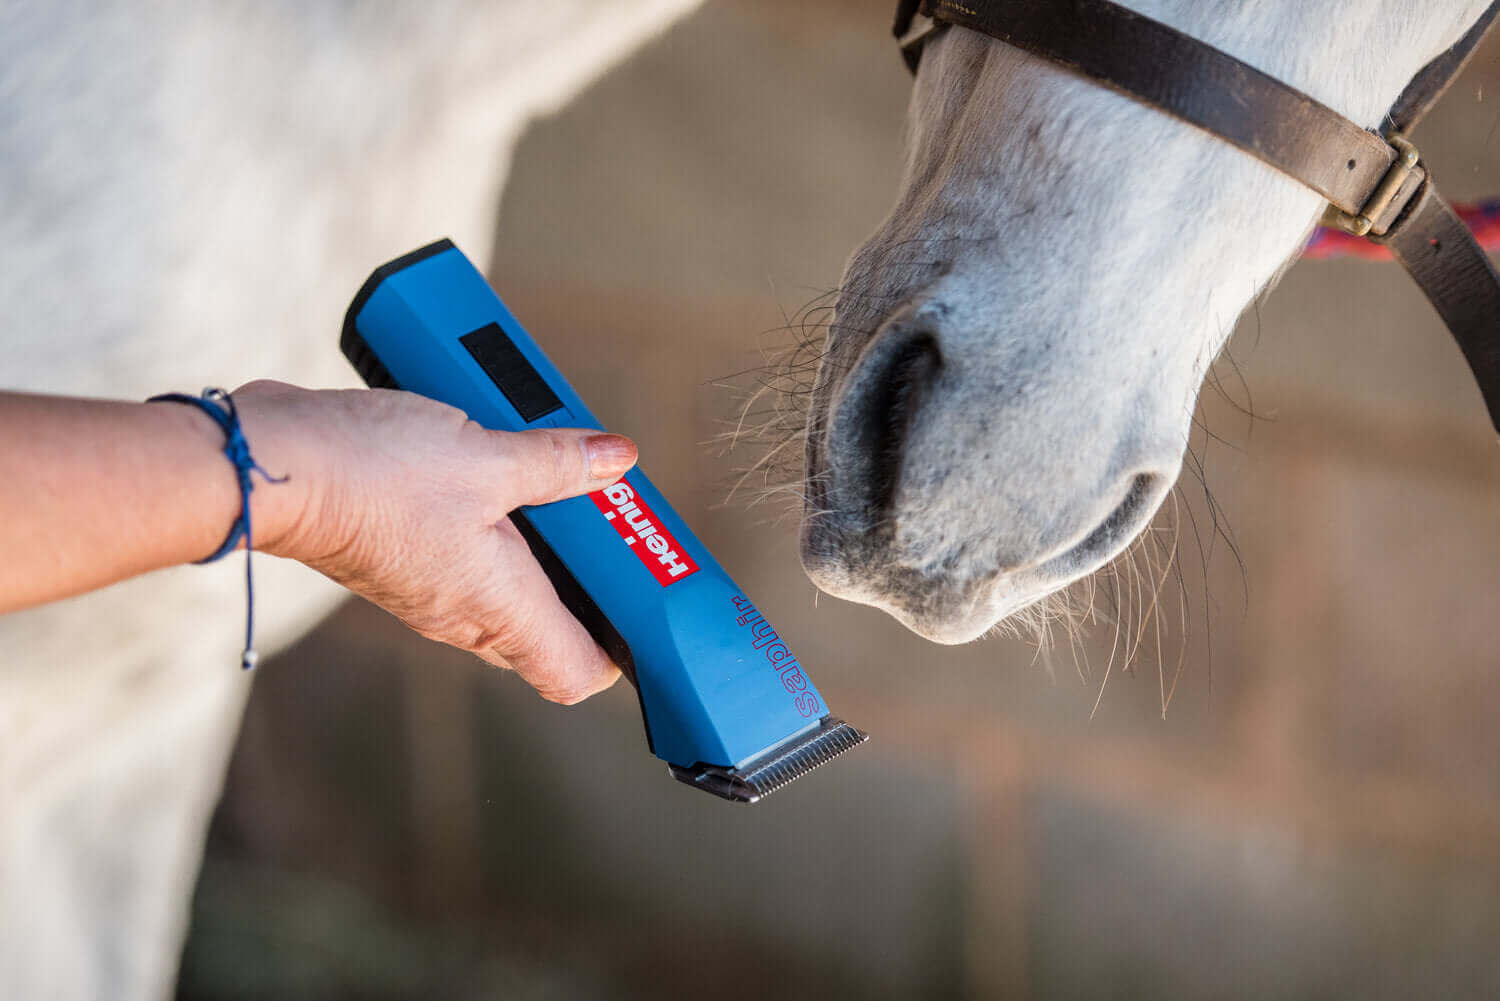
(934, 607)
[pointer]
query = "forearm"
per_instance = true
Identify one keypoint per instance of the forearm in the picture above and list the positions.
(400, 498)
(95, 491)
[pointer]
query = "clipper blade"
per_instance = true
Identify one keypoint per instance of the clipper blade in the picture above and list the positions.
(783, 764)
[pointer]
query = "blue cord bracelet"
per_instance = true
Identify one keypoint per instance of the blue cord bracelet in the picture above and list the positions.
(220, 406)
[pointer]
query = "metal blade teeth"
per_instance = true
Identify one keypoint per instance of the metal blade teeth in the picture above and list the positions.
(787, 766)
(761, 777)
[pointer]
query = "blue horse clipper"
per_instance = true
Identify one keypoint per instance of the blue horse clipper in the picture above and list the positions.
(726, 704)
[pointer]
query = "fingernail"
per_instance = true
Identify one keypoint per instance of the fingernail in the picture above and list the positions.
(610, 455)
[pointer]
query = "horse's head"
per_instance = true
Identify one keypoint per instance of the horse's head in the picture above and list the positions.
(1011, 372)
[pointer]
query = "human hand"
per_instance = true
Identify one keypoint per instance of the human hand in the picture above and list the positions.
(403, 500)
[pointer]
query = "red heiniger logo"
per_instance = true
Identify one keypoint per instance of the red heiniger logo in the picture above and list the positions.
(642, 531)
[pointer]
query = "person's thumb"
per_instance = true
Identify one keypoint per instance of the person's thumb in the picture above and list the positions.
(548, 464)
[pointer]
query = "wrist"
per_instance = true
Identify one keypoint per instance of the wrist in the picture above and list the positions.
(275, 421)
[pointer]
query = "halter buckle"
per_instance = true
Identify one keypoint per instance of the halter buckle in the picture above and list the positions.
(911, 41)
(1385, 192)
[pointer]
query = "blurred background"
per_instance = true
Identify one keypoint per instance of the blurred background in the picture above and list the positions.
(1316, 814)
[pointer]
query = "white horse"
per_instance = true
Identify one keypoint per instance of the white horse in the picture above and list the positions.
(191, 192)
(1015, 355)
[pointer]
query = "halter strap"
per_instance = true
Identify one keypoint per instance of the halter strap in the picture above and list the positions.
(1428, 85)
(1376, 186)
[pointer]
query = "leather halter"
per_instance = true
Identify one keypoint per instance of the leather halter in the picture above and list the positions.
(1376, 184)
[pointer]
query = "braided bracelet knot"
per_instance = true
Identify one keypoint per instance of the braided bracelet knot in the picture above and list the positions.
(219, 405)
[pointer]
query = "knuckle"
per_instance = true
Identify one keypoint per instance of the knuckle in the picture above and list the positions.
(507, 631)
(457, 624)
(561, 468)
(261, 387)
(444, 627)
(532, 465)
(567, 695)
(506, 639)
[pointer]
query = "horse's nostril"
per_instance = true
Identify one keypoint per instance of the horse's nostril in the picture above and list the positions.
(890, 407)
(1123, 522)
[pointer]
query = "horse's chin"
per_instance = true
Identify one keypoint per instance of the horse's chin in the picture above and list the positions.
(932, 607)
(936, 607)
(946, 631)
(935, 614)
